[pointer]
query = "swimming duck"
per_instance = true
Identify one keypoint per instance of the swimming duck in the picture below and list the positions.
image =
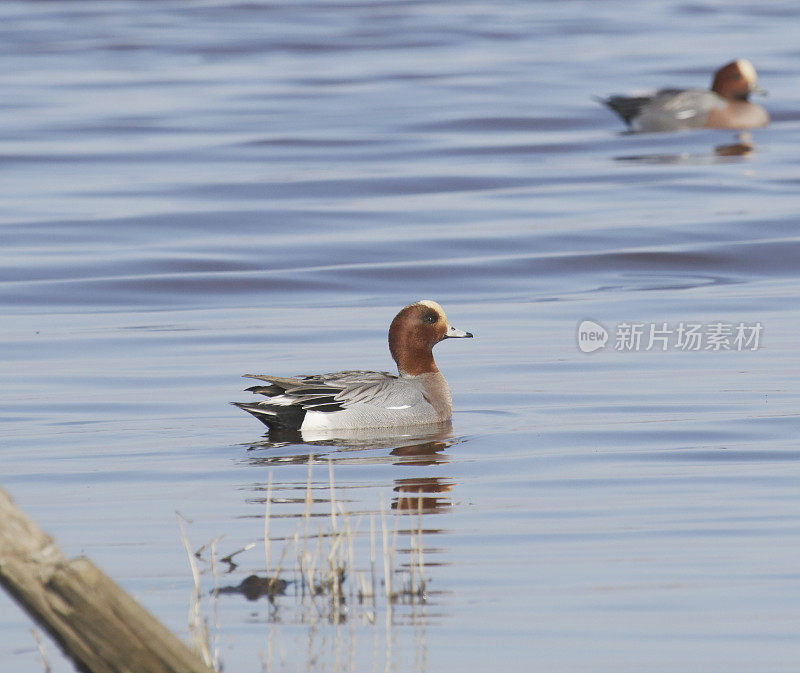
(345, 400)
(725, 106)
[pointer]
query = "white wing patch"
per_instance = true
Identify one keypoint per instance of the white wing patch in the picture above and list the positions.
(283, 400)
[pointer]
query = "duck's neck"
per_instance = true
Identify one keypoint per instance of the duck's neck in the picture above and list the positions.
(413, 356)
(416, 362)
(437, 393)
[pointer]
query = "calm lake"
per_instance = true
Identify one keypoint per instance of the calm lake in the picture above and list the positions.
(196, 190)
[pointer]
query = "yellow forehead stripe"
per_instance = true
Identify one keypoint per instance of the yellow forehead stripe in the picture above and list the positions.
(747, 69)
(433, 305)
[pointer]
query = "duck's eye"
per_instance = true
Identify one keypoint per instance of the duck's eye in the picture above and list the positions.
(430, 318)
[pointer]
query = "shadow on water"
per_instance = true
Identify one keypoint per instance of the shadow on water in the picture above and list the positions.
(254, 587)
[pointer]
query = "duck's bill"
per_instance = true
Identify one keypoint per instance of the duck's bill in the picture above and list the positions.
(758, 90)
(453, 333)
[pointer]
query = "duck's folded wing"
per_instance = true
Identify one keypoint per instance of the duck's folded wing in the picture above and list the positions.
(691, 103)
(674, 109)
(339, 390)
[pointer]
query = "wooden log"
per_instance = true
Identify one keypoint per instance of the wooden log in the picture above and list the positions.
(97, 625)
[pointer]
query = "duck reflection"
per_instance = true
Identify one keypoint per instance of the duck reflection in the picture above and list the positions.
(352, 559)
(412, 446)
(742, 146)
(425, 495)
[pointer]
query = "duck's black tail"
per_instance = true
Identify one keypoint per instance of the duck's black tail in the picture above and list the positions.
(627, 107)
(279, 418)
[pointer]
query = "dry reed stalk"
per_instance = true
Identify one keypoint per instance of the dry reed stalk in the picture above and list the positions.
(304, 559)
(387, 572)
(334, 563)
(215, 593)
(267, 512)
(412, 552)
(198, 631)
(420, 550)
(392, 548)
(349, 533)
(37, 636)
(274, 579)
(333, 495)
(372, 555)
